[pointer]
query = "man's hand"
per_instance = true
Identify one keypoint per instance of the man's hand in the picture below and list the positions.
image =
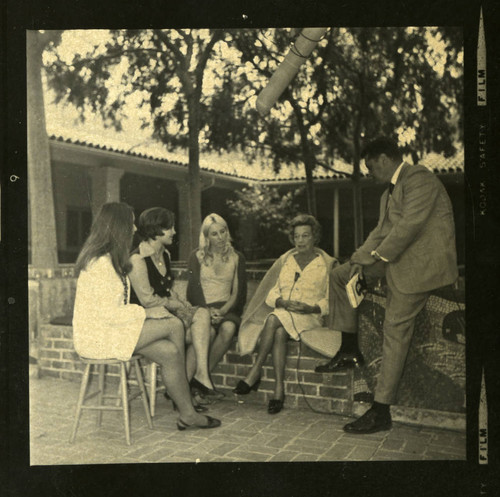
(356, 269)
(362, 258)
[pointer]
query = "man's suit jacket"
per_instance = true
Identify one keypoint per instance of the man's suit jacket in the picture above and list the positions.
(416, 232)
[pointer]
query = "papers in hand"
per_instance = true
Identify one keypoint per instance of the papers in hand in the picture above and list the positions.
(356, 290)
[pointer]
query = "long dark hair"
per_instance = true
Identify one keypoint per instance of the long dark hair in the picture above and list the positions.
(112, 233)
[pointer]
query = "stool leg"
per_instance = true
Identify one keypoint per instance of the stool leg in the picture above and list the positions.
(124, 387)
(81, 397)
(144, 394)
(120, 385)
(100, 400)
(152, 387)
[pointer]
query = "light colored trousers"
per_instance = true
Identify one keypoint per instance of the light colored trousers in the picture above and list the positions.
(400, 313)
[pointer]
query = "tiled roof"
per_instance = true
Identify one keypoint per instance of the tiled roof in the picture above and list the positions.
(227, 164)
(235, 165)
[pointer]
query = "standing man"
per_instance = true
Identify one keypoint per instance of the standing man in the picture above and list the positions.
(413, 246)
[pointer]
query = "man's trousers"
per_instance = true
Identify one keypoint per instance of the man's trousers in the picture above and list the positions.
(400, 313)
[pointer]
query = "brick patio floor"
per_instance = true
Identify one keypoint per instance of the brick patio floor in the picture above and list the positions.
(247, 433)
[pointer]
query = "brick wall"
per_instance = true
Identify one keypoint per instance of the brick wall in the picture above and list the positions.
(437, 358)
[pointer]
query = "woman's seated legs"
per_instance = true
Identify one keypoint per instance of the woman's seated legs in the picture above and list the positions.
(155, 344)
(265, 345)
(156, 329)
(200, 338)
(221, 343)
(279, 361)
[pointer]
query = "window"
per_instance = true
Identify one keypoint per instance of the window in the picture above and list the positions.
(78, 223)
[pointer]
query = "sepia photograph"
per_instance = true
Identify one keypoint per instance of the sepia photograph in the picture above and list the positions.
(256, 240)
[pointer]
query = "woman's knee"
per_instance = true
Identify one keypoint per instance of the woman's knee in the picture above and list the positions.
(227, 330)
(167, 351)
(202, 315)
(175, 326)
(281, 334)
(272, 322)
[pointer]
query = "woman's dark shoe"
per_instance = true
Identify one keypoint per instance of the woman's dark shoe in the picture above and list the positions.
(199, 399)
(197, 407)
(204, 390)
(212, 423)
(275, 406)
(243, 388)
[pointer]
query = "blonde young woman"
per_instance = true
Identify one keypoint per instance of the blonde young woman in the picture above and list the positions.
(107, 326)
(217, 280)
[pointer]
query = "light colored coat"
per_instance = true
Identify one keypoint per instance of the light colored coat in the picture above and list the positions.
(257, 310)
(103, 326)
(416, 232)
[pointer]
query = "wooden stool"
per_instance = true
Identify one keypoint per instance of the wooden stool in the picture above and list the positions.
(153, 387)
(101, 396)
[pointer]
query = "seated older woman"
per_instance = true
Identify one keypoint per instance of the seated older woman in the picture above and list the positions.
(152, 282)
(292, 298)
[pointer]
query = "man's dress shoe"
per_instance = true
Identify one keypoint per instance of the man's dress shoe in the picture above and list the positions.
(340, 362)
(371, 422)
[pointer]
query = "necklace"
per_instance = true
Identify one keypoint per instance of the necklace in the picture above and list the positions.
(125, 290)
(158, 259)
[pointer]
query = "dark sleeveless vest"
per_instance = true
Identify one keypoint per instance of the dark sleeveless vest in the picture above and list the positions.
(161, 284)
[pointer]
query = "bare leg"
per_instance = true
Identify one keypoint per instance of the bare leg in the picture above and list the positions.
(165, 353)
(265, 346)
(221, 343)
(191, 354)
(279, 360)
(156, 329)
(200, 336)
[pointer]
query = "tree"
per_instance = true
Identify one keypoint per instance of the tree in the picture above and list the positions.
(41, 206)
(166, 70)
(266, 213)
(357, 84)
(288, 134)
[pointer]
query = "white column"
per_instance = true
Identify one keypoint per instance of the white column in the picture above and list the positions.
(105, 187)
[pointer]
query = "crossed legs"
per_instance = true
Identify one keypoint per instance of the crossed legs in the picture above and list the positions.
(162, 341)
(273, 337)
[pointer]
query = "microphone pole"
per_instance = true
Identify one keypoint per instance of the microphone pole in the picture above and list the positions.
(305, 43)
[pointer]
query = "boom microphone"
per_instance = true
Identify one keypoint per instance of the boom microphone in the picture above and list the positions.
(308, 38)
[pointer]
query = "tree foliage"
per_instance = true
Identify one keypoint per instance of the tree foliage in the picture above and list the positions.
(267, 212)
(162, 72)
(196, 89)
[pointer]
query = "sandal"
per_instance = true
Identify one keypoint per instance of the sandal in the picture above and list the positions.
(212, 423)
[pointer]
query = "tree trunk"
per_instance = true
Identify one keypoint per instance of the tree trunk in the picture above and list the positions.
(40, 192)
(194, 208)
(356, 192)
(311, 193)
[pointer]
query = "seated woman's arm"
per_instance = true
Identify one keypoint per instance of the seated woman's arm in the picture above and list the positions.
(99, 297)
(232, 298)
(276, 299)
(140, 282)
